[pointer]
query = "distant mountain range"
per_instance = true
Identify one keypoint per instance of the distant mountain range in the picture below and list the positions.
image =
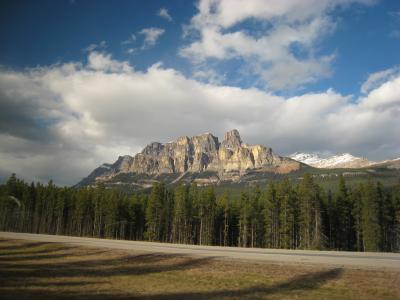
(204, 160)
(345, 160)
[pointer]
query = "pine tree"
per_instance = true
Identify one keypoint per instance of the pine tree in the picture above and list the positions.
(206, 207)
(310, 214)
(287, 216)
(345, 225)
(155, 213)
(12, 186)
(271, 217)
(370, 218)
(396, 227)
(182, 219)
(387, 218)
(224, 213)
(244, 220)
(257, 221)
(363, 218)
(136, 211)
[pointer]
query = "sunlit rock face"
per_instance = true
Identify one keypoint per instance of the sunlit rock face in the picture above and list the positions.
(199, 154)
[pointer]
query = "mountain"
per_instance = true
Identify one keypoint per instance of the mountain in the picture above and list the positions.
(390, 164)
(344, 160)
(200, 158)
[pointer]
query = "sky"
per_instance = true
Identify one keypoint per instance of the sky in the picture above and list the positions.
(82, 82)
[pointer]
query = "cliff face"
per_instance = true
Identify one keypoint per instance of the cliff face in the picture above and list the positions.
(199, 154)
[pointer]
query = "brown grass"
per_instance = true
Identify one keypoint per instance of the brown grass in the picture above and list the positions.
(36, 270)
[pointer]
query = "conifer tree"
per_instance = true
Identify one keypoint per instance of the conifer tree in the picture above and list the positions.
(182, 219)
(310, 214)
(155, 212)
(206, 212)
(288, 214)
(244, 220)
(370, 218)
(362, 218)
(271, 217)
(225, 214)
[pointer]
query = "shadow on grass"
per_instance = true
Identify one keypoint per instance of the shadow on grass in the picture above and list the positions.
(42, 254)
(297, 284)
(30, 269)
(24, 246)
(304, 282)
(8, 253)
(5, 240)
(128, 265)
(30, 277)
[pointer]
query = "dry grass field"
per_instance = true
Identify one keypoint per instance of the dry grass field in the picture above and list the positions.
(37, 270)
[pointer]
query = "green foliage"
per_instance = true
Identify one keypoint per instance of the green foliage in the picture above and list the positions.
(182, 220)
(310, 222)
(156, 213)
(283, 214)
(370, 217)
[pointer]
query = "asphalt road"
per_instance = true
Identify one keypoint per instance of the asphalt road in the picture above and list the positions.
(343, 259)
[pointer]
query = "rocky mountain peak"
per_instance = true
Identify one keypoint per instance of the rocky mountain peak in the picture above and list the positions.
(230, 159)
(205, 142)
(153, 148)
(183, 140)
(232, 139)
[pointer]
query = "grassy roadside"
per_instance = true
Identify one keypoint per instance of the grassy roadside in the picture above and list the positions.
(37, 270)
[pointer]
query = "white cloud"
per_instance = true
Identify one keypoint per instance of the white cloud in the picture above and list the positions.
(208, 75)
(377, 78)
(127, 45)
(64, 120)
(104, 62)
(151, 36)
(132, 51)
(283, 50)
(163, 13)
(99, 46)
(130, 40)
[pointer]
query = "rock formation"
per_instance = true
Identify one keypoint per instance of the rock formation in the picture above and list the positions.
(230, 159)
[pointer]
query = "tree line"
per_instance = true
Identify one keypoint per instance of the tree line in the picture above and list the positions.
(283, 214)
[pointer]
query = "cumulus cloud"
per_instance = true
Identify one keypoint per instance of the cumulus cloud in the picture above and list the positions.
(208, 75)
(62, 121)
(163, 13)
(283, 49)
(151, 36)
(377, 78)
(103, 62)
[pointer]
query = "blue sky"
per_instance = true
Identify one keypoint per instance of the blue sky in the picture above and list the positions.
(90, 80)
(47, 32)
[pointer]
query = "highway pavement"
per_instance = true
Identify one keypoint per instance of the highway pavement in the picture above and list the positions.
(336, 258)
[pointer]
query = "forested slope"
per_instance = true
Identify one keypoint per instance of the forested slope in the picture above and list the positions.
(280, 215)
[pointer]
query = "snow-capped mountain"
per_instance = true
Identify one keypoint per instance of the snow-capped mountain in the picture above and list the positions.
(345, 160)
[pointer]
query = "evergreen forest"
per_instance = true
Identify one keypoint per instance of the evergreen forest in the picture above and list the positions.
(283, 214)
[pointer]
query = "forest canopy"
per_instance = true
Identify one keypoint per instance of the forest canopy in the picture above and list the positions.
(282, 214)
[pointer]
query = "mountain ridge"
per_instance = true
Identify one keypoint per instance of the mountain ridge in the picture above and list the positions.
(229, 159)
(344, 160)
(204, 160)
